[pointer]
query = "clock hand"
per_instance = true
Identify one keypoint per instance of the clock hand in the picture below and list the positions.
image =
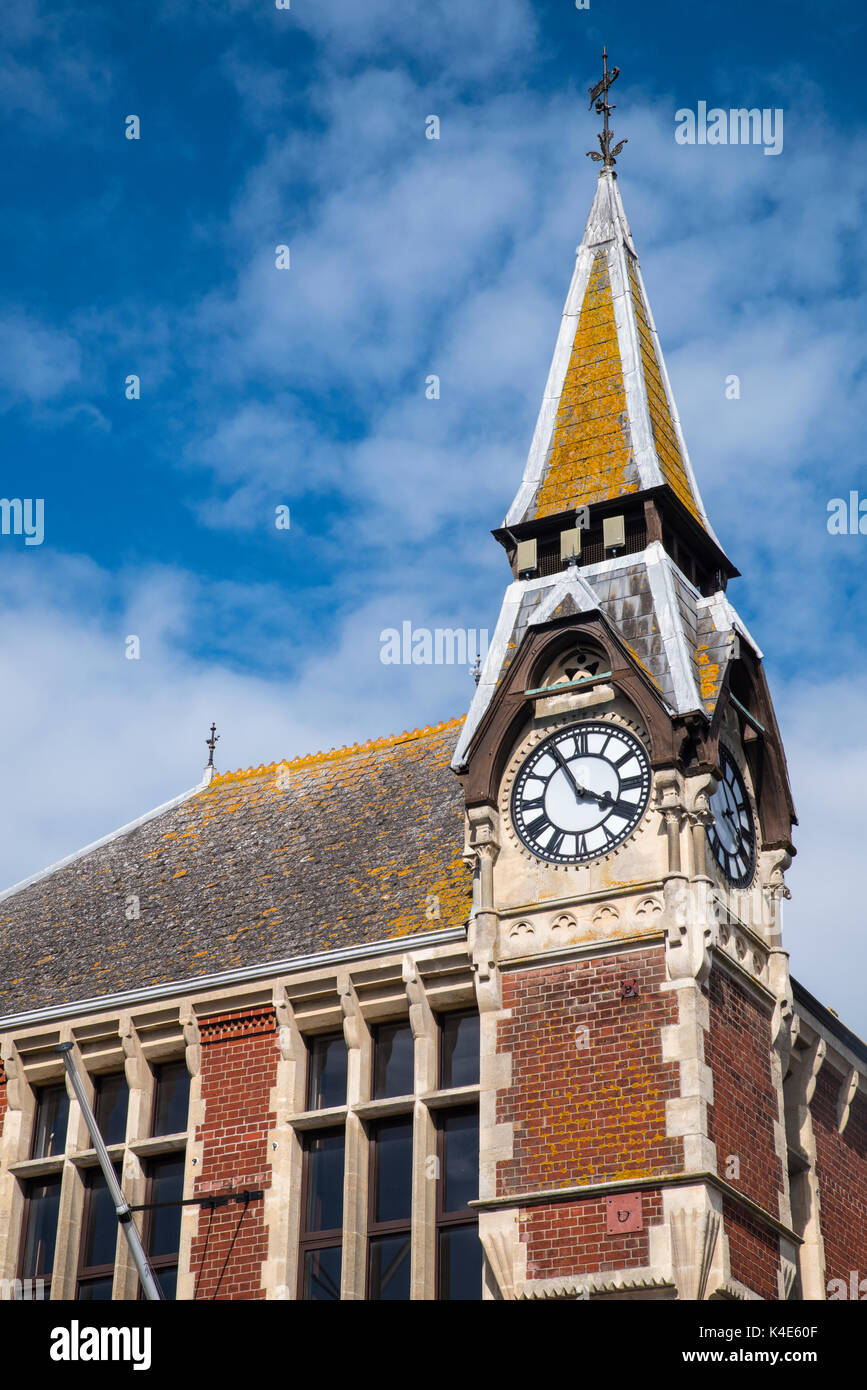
(576, 786)
(602, 798)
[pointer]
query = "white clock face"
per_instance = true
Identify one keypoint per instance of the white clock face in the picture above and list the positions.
(732, 837)
(581, 792)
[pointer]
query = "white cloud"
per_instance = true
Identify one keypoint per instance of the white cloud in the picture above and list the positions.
(37, 362)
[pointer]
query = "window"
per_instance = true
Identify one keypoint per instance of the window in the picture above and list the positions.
(41, 1206)
(171, 1099)
(99, 1240)
(459, 1050)
(411, 1131)
(393, 1061)
(459, 1251)
(161, 1235)
(50, 1122)
(111, 1102)
(388, 1266)
(322, 1216)
(327, 1072)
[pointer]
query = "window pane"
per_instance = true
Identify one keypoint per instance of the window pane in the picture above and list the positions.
(393, 1197)
(96, 1290)
(389, 1267)
(52, 1117)
(172, 1101)
(100, 1238)
(460, 1050)
(321, 1282)
(325, 1182)
(461, 1159)
(393, 1071)
(112, 1099)
(460, 1263)
(41, 1232)
(168, 1282)
(167, 1185)
(326, 1074)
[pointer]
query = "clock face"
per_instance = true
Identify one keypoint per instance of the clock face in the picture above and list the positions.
(581, 792)
(732, 837)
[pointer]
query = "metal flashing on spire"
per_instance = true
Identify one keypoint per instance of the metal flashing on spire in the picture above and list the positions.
(599, 97)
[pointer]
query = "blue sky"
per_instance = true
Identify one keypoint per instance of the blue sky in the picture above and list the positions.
(306, 387)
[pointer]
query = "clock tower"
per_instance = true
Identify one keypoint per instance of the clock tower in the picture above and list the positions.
(628, 823)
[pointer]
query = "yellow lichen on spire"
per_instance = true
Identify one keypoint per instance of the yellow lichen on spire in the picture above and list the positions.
(589, 459)
(664, 434)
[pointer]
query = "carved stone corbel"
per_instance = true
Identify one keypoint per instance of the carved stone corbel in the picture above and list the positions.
(786, 1278)
(16, 1085)
(772, 869)
(192, 1043)
(504, 1252)
(354, 1027)
(783, 1025)
(845, 1098)
(688, 930)
(134, 1063)
(693, 1242)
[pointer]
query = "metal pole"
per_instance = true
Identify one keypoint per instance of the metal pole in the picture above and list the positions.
(121, 1205)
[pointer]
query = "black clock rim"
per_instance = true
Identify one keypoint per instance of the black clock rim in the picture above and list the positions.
(641, 808)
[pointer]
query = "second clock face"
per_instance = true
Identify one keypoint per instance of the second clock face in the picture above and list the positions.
(581, 792)
(732, 836)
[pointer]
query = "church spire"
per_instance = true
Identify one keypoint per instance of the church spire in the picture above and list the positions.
(608, 519)
(608, 426)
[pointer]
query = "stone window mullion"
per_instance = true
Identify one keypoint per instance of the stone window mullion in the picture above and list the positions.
(356, 1179)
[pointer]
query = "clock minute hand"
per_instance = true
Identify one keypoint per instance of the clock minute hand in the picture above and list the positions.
(576, 786)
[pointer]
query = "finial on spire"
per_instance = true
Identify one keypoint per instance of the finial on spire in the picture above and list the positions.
(599, 95)
(211, 743)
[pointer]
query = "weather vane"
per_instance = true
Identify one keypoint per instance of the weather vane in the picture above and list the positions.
(599, 95)
(211, 743)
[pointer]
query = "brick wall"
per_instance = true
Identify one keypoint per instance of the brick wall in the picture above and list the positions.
(841, 1162)
(571, 1238)
(754, 1250)
(589, 1111)
(239, 1065)
(741, 1119)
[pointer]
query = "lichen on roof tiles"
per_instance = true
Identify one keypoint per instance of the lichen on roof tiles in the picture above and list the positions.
(342, 847)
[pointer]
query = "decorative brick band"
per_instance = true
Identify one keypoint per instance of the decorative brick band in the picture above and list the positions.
(240, 1023)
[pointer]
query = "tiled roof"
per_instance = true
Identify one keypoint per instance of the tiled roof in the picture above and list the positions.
(339, 848)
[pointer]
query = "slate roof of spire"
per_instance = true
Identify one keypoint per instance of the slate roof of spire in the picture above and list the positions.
(681, 638)
(334, 849)
(608, 424)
